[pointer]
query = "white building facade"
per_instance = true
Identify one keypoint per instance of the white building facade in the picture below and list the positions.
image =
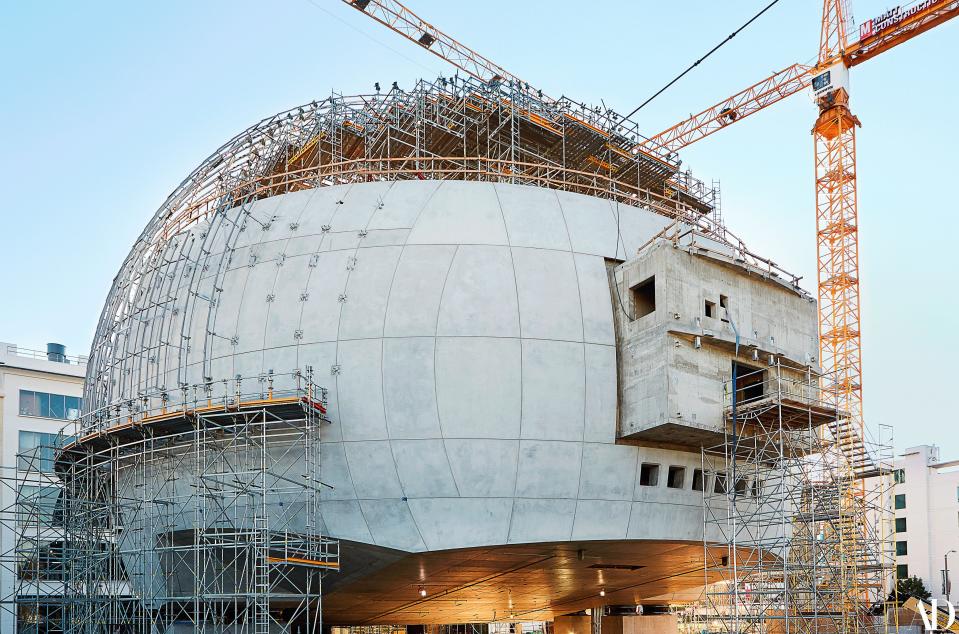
(927, 519)
(40, 394)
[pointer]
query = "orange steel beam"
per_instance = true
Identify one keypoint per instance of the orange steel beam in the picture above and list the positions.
(333, 565)
(919, 18)
(770, 90)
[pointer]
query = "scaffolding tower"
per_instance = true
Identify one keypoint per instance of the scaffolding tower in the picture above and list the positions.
(797, 513)
(198, 518)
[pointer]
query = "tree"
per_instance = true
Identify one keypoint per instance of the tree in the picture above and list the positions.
(910, 587)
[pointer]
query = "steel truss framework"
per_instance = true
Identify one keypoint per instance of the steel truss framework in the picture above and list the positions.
(796, 540)
(202, 518)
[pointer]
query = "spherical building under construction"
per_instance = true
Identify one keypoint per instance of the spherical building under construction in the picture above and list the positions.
(476, 336)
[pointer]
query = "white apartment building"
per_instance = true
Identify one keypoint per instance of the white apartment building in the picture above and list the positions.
(926, 506)
(40, 394)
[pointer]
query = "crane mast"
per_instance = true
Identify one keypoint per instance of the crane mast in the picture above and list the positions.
(834, 145)
(837, 235)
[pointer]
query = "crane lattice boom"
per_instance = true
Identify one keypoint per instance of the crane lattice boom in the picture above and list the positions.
(770, 90)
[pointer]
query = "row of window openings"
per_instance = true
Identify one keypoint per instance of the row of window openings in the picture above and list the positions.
(644, 300)
(676, 478)
(46, 405)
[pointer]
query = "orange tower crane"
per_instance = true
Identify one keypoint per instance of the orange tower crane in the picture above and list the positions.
(834, 135)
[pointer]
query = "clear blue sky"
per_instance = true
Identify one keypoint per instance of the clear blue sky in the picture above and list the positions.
(106, 106)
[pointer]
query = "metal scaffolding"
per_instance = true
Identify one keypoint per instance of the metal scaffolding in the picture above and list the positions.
(797, 513)
(199, 518)
(453, 128)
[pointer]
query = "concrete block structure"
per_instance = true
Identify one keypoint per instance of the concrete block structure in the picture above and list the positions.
(685, 309)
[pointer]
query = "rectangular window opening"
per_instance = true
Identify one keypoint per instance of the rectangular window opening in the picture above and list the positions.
(741, 485)
(710, 309)
(723, 306)
(757, 488)
(699, 480)
(36, 451)
(902, 548)
(902, 571)
(900, 476)
(47, 405)
(900, 500)
(900, 524)
(38, 505)
(644, 297)
(719, 485)
(750, 382)
(648, 475)
(676, 477)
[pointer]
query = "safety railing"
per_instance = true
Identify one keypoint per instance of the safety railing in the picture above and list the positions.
(774, 385)
(476, 168)
(208, 396)
(27, 353)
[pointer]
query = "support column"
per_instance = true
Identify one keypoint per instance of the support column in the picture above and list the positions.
(596, 621)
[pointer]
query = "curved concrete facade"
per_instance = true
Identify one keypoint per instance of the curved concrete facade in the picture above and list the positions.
(465, 333)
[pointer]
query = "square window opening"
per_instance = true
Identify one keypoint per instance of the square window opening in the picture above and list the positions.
(902, 548)
(648, 475)
(902, 571)
(675, 478)
(644, 297)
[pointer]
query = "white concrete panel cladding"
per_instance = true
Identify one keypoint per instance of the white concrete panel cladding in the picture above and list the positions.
(465, 332)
